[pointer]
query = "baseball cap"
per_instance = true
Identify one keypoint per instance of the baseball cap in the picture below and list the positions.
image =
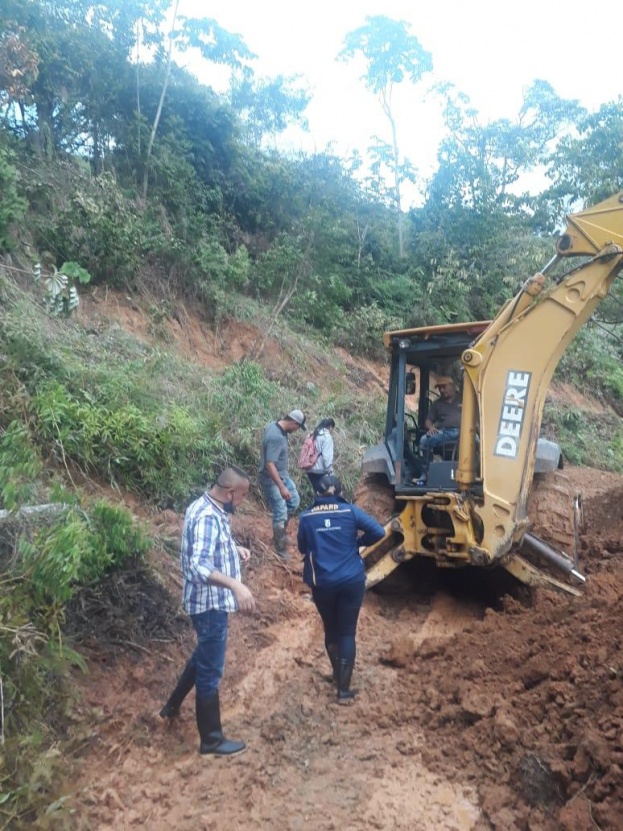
(298, 416)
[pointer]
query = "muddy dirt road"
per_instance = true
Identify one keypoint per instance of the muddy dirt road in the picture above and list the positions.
(476, 711)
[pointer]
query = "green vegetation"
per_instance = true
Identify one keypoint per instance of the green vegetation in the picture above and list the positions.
(144, 177)
(119, 169)
(595, 440)
(44, 559)
(145, 420)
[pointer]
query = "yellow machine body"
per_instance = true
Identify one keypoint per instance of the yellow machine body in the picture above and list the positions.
(507, 370)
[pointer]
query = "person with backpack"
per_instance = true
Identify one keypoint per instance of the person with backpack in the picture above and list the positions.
(316, 457)
(329, 536)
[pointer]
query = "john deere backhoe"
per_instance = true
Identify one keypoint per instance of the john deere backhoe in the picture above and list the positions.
(476, 502)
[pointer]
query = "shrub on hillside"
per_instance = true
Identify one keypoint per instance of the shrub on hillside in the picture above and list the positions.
(78, 548)
(12, 206)
(593, 364)
(362, 331)
(161, 455)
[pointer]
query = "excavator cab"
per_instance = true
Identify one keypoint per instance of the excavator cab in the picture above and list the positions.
(418, 358)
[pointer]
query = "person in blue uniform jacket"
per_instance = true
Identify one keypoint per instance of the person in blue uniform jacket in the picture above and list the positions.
(329, 536)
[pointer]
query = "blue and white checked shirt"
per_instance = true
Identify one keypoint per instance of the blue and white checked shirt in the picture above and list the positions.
(207, 544)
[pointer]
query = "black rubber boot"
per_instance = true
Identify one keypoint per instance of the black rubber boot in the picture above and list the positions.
(344, 673)
(279, 536)
(332, 653)
(184, 685)
(213, 742)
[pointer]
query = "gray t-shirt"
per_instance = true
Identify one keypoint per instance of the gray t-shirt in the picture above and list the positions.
(444, 413)
(274, 449)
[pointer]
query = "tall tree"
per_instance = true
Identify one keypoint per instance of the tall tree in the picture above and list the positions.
(81, 50)
(588, 164)
(392, 54)
(165, 84)
(266, 106)
(481, 163)
(214, 43)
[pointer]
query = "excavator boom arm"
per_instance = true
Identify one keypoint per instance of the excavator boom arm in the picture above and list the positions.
(510, 366)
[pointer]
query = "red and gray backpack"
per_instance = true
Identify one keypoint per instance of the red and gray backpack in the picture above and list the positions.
(309, 453)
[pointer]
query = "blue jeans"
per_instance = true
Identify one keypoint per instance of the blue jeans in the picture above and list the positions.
(209, 654)
(279, 508)
(339, 608)
(448, 435)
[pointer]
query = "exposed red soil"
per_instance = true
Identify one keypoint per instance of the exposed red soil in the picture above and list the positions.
(567, 396)
(187, 334)
(469, 716)
(476, 710)
(528, 702)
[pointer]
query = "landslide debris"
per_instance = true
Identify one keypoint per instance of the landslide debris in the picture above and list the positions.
(528, 702)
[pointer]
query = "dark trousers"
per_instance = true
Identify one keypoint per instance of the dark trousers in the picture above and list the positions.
(314, 478)
(209, 655)
(339, 607)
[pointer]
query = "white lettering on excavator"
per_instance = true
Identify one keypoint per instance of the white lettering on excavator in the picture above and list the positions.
(512, 415)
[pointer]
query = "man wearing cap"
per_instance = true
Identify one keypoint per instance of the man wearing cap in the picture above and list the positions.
(278, 489)
(444, 418)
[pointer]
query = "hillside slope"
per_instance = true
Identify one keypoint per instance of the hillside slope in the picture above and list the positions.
(475, 711)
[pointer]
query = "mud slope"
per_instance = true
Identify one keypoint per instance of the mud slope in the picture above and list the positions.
(310, 763)
(468, 718)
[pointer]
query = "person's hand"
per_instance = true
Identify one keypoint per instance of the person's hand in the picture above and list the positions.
(433, 431)
(243, 553)
(244, 598)
(285, 493)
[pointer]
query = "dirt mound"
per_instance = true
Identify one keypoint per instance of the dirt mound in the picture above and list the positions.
(476, 711)
(529, 702)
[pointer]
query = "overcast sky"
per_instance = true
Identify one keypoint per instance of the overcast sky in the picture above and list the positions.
(490, 49)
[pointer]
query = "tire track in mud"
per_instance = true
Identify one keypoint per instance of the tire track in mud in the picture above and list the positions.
(310, 763)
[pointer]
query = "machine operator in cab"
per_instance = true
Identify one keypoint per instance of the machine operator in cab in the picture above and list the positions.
(443, 420)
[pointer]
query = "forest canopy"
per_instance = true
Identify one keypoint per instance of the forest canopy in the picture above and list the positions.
(129, 166)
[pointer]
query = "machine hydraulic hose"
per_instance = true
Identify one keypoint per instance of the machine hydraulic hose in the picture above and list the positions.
(556, 559)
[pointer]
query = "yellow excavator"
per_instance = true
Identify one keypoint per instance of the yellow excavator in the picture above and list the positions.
(494, 496)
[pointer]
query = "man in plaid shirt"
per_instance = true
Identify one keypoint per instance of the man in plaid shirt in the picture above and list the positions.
(210, 562)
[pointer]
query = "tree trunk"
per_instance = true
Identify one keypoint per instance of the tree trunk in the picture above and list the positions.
(285, 295)
(160, 103)
(97, 150)
(138, 87)
(362, 233)
(385, 101)
(32, 512)
(45, 136)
